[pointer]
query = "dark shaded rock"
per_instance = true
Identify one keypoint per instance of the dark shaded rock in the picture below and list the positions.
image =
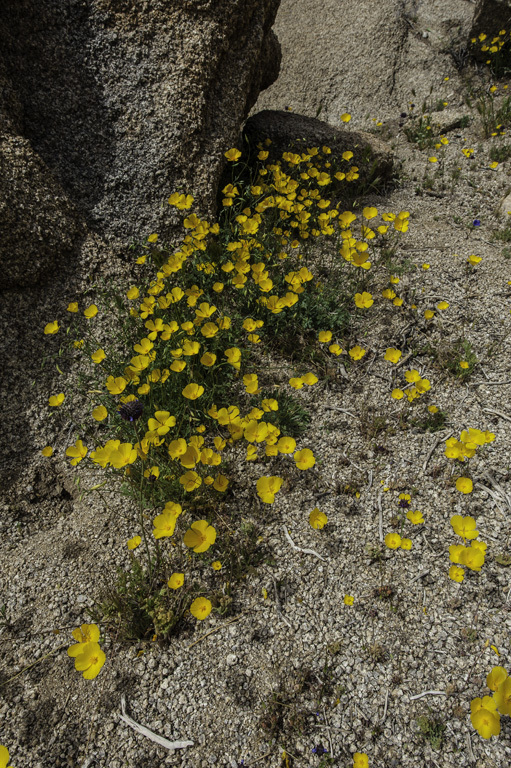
(39, 227)
(124, 103)
(489, 18)
(290, 131)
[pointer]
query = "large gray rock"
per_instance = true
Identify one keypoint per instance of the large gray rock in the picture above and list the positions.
(39, 227)
(370, 58)
(125, 102)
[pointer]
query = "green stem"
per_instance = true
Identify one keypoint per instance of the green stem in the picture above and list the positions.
(141, 507)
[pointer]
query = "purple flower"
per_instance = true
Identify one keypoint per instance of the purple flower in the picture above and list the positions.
(319, 750)
(476, 223)
(131, 411)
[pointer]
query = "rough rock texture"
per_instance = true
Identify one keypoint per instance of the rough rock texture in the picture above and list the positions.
(368, 59)
(287, 130)
(125, 103)
(490, 17)
(39, 226)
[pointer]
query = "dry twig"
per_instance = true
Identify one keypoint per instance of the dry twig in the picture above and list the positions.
(497, 413)
(419, 576)
(29, 666)
(301, 549)
(471, 755)
(496, 498)
(404, 360)
(380, 517)
(215, 629)
(385, 707)
(341, 410)
(435, 446)
(427, 693)
(149, 734)
(489, 383)
(328, 733)
(498, 488)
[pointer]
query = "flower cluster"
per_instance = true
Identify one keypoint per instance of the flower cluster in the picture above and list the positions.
(472, 556)
(485, 713)
(173, 412)
(88, 656)
(470, 440)
(417, 386)
(394, 540)
(496, 48)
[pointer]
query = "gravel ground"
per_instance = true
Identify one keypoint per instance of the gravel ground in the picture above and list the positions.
(299, 668)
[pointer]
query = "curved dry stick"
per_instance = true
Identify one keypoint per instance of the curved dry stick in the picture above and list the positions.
(301, 549)
(163, 742)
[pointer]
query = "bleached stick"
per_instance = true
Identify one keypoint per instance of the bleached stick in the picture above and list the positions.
(380, 517)
(497, 413)
(149, 734)
(498, 488)
(433, 449)
(489, 383)
(403, 360)
(301, 549)
(329, 733)
(385, 707)
(428, 693)
(341, 410)
(496, 498)
(469, 749)
(215, 629)
(419, 576)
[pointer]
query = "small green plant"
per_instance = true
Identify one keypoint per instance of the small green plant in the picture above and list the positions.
(495, 112)
(503, 235)
(469, 634)
(432, 729)
(394, 264)
(420, 132)
(428, 182)
(374, 552)
(500, 154)
(385, 592)
(282, 717)
(138, 606)
(325, 307)
(457, 357)
(292, 418)
(372, 424)
(430, 422)
(439, 105)
(325, 761)
(377, 653)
